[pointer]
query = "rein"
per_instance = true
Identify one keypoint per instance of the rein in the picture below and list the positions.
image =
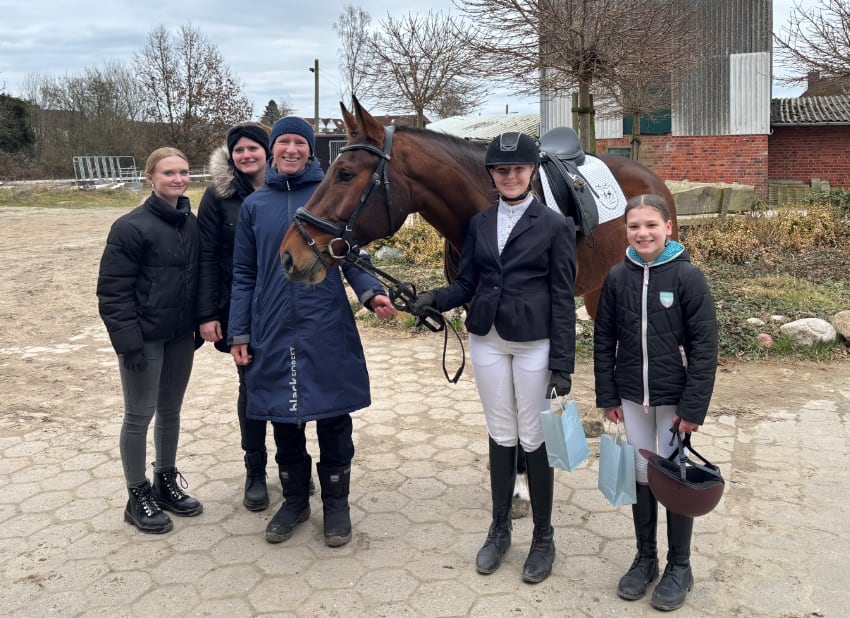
(402, 294)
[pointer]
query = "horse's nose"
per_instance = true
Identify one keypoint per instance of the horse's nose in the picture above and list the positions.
(286, 262)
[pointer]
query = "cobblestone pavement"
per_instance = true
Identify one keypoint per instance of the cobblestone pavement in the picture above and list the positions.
(777, 545)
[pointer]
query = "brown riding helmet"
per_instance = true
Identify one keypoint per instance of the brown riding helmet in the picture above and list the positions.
(684, 486)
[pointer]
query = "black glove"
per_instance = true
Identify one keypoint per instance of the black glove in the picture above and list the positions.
(135, 361)
(561, 382)
(423, 301)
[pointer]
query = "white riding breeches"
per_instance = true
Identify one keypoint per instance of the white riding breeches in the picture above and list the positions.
(649, 430)
(511, 377)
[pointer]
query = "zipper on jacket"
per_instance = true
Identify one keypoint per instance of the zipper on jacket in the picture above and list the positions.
(684, 357)
(643, 336)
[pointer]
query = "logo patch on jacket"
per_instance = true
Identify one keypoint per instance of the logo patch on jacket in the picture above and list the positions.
(666, 299)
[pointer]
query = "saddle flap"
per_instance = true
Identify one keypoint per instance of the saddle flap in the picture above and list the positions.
(571, 192)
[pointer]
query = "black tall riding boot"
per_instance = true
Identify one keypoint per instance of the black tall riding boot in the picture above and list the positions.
(644, 568)
(295, 480)
(335, 482)
(170, 496)
(256, 492)
(541, 486)
(678, 580)
(502, 477)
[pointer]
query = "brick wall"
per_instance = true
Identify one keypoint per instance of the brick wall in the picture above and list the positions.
(807, 153)
(730, 159)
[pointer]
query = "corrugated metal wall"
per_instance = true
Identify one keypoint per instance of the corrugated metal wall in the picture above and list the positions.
(557, 112)
(729, 92)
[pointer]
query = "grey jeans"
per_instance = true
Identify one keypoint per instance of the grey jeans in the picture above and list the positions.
(157, 391)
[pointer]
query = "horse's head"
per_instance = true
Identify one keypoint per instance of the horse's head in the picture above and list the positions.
(351, 207)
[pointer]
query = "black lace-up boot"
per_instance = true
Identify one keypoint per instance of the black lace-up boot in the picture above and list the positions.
(170, 495)
(541, 484)
(644, 568)
(143, 512)
(678, 580)
(256, 491)
(502, 477)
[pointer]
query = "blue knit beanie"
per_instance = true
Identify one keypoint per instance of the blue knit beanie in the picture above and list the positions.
(295, 125)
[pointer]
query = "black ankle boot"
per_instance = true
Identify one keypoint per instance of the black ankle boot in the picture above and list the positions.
(502, 477)
(256, 492)
(541, 482)
(170, 495)
(143, 512)
(295, 480)
(335, 482)
(644, 569)
(678, 580)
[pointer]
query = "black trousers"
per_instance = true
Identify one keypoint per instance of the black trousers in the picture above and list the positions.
(336, 448)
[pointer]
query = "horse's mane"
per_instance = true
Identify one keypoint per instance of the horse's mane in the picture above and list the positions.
(469, 154)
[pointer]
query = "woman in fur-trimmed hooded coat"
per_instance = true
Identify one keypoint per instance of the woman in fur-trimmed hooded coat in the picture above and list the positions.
(237, 168)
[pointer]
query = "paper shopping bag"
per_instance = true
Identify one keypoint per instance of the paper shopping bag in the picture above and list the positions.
(566, 443)
(617, 469)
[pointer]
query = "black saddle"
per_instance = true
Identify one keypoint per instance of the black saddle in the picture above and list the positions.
(561, 156)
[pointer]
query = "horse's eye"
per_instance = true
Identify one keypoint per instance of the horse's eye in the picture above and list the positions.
(344, 176)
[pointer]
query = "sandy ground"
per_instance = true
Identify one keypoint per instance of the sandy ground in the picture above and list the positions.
(782, 434)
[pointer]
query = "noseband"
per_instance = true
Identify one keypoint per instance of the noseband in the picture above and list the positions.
(343, 233)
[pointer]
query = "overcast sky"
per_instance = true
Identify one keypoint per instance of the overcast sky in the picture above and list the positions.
(270, 54)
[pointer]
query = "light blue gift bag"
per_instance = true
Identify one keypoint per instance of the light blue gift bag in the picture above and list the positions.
(617, 469)
(566, 443)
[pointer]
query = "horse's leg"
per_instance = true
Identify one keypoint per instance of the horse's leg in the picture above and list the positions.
(521, 503)
(591, 301)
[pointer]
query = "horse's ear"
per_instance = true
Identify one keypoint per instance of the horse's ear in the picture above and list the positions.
(351, 126)
(370, 127)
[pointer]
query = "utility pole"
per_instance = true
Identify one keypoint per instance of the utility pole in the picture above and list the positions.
(315, 71)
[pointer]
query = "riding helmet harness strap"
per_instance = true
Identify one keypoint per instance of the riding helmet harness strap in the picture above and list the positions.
(402, 294)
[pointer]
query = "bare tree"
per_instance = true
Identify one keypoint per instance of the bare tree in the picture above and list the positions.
(614, 49)
(95, 112)
(352, 28)
(419, 62)
(816, 40)
(189, 90)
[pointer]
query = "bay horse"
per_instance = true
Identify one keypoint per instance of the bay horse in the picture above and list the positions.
(383, 175)
(442, 178)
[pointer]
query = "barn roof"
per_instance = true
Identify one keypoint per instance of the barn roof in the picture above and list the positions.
(808, 111)
(488, 127)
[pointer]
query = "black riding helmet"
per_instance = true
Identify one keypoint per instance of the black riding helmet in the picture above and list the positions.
(512, 149)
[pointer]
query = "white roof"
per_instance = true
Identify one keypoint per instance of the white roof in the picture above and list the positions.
(488, 127)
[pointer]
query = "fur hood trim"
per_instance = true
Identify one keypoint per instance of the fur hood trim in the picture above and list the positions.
(222, 173)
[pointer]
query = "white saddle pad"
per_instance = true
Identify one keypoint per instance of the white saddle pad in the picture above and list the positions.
(609, 197)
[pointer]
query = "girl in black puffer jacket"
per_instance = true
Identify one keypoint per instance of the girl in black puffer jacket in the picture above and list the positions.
(654, 359)
(146, 291)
